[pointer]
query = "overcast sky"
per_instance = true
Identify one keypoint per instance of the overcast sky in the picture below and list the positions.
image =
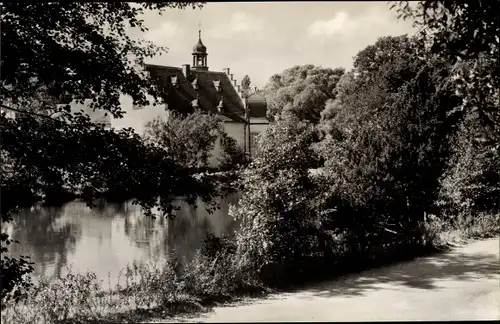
(264, 38)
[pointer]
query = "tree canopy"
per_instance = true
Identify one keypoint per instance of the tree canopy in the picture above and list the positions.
(391, 124)
(467, 31)
(78, 50)
(245, 82)
(188, 140)
(462, 29)
(302, 91)
(53, 53)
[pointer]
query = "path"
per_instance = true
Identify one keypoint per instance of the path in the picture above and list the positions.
(463, 284)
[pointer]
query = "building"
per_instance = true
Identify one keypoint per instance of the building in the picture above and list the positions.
(194, 86)
(257, 121)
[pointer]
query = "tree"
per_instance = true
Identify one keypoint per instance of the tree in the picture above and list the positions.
(470, 185)
(467, 33)
(388, 139)
(233, 156)
(189, 139)
(301, 90)
(75, 51)
(245, 83)
(463, 30)
(278, 221)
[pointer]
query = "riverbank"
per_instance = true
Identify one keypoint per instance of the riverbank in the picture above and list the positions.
(461, 284)
(173, 288)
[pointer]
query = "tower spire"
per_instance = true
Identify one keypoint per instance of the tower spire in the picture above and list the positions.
(200, 53)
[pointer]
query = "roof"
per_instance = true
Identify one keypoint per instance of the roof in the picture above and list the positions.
(179, 91)
(199, 47)
(257, 105)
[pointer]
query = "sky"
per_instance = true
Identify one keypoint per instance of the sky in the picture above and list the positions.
(264, 38)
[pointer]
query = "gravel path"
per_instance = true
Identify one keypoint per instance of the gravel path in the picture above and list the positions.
(463, 284)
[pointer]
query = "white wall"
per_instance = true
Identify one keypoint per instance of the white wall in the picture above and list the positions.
(136, 118)
(236, 131)
(232, 129)
(97, 115)
(132, 118)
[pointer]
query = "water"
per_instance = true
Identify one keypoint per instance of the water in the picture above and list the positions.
(105, 239)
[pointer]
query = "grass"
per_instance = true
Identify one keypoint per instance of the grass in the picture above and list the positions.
(142, 290)
(159, 290)
(463, 228)
(481, 226)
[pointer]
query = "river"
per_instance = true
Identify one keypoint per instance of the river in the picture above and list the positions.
(105, 239)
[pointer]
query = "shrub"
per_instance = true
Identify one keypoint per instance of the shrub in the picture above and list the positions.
(213, 275)
(233, 155)
(279, 225)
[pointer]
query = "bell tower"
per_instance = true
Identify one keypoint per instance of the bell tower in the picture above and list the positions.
(200, 55)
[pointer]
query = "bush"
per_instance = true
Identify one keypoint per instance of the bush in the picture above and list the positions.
(233, 156)
(279, 224)
(481, 225)
(154, 286)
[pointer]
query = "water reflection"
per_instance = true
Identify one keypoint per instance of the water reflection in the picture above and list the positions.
(108, 237)
(46, 237)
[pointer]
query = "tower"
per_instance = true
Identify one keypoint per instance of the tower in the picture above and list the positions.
(200, 55)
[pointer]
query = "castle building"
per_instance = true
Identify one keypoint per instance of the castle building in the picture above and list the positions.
(196, 87)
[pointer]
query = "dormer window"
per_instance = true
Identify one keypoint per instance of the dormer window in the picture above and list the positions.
(195, 84)
(174, 81)
(217, 85)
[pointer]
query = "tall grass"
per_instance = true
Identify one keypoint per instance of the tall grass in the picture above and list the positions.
(157, 287)
(482, 225)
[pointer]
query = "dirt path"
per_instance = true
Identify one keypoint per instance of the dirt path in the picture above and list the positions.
(461, 284)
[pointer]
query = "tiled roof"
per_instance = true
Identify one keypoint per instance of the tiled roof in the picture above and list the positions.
(180, 96)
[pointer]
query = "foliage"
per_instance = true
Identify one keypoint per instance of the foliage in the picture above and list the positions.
(278, 221)
(245, 82)
(156, 287)
(387, 141)
(460, 28)
(60, 155)
(481, 225)
(245, 85)
(470, 185)
(469, 31)
(83, 52)
(189, 139)
(302, 90)
(14, 280)
(233, 156)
